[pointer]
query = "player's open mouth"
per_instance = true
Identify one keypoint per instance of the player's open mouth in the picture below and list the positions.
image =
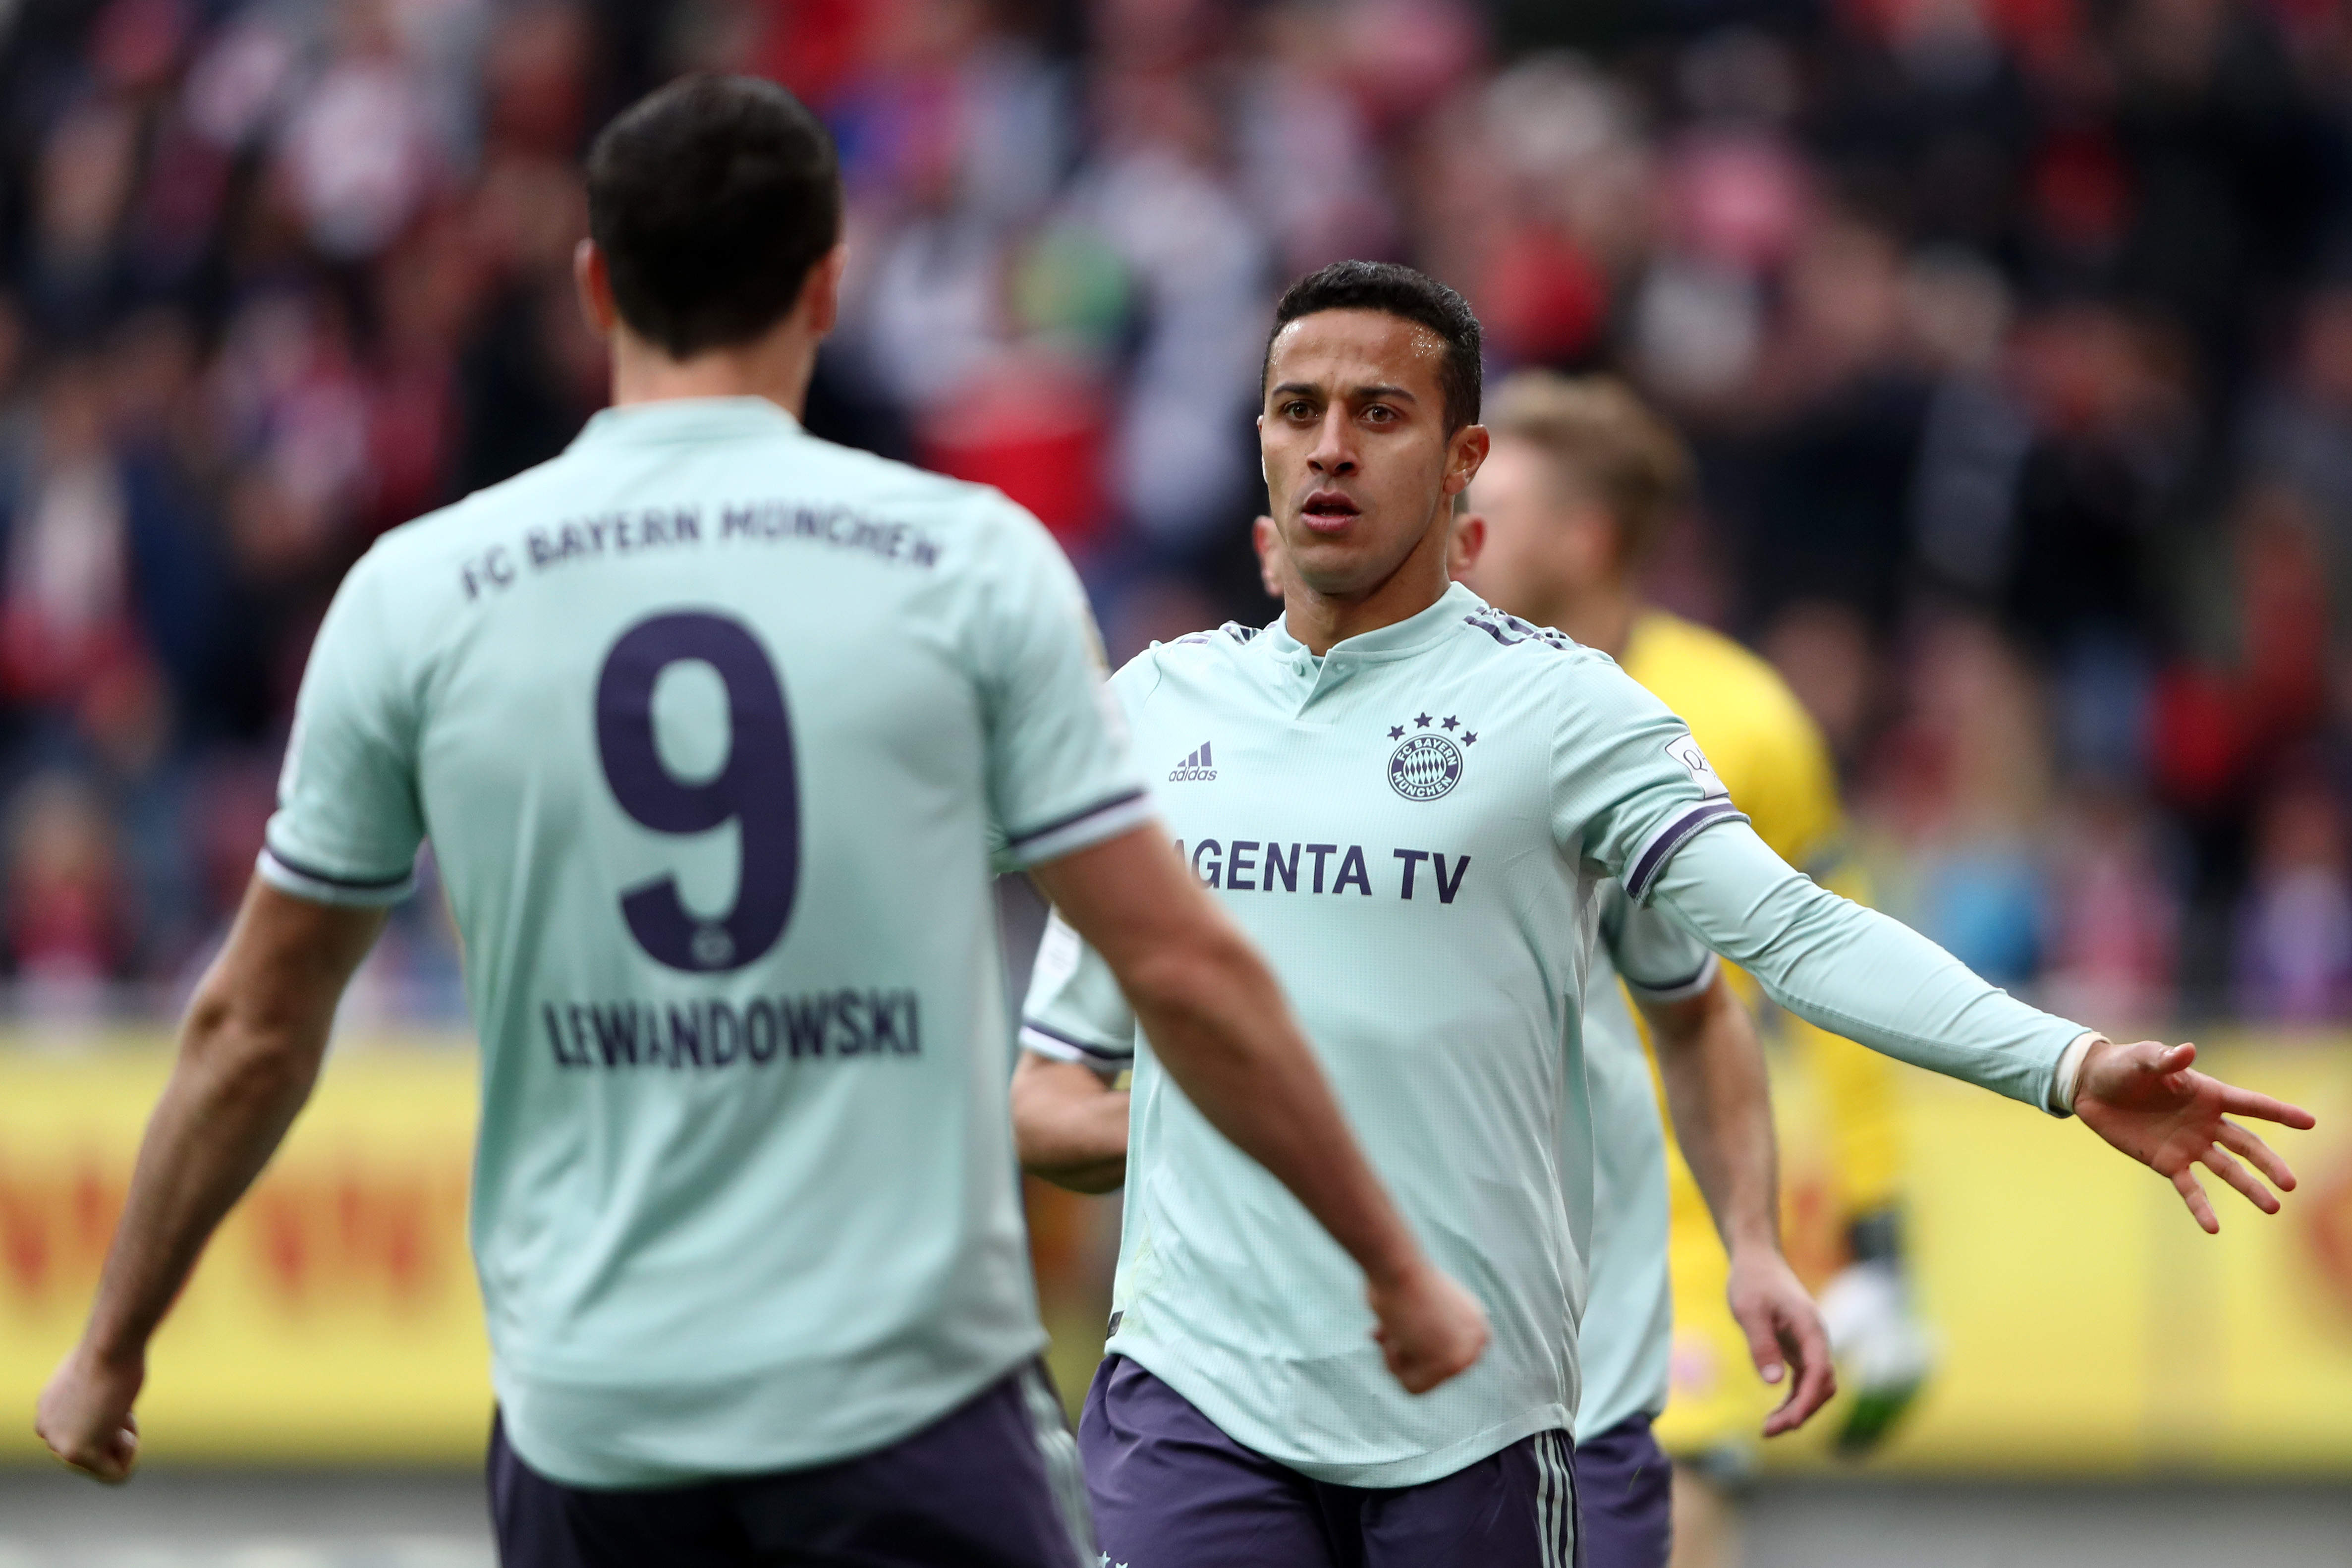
(1328, 512)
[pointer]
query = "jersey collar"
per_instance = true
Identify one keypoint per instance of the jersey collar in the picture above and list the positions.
(685, 419)
(1405, 637)
(1305, 679)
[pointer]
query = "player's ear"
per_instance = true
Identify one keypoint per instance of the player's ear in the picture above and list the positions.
(821, 295)
(1269, 555)
(592, 281)
(1466, 453)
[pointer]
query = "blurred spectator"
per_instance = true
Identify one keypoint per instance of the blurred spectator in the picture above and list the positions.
(2295, 933)
(1308, 164)
(361, 153)
(1181, 459)
(2114, 917)
(88, 163)
(65, 616)
(2300, 437)
(1826, 484)
(1823, 650)
(2116, 435)
(66, 920)
(1961, 788)
(1976, 431)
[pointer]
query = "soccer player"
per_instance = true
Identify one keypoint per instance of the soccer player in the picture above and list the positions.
(1580, 480)
(1412, 799)
(711, 724)
(1711, 1066)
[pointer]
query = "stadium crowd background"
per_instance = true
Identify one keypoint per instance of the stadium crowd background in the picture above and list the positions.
(2014, 337)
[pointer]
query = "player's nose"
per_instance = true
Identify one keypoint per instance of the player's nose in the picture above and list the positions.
(1333, 452)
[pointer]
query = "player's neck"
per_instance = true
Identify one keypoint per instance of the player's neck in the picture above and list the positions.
(1319, 620)
(776, 366)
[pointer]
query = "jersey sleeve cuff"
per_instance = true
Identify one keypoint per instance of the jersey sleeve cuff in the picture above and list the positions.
(1042, 1039)
(1103, 820)
(321, 886)
(2066, 1078)
(1676, 991)
(1641, 866)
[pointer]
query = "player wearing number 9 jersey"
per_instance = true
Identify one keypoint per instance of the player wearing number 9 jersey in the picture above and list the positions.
(712, 725)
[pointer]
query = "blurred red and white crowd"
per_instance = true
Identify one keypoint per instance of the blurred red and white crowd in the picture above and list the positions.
(2013, 337)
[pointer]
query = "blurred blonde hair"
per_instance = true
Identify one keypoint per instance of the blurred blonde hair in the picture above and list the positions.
(1607, 444)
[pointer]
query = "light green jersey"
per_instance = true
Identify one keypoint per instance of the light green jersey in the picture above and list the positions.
(1415, 830)
(1625, 1341)
(711, 724)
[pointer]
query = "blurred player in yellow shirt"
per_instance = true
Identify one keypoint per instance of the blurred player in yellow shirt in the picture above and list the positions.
(1571, 500)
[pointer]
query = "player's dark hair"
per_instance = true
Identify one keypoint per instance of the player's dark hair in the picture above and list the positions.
(1400, 291)
(712, 200)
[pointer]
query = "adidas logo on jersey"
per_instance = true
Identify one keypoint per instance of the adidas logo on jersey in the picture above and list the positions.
(1197, 768)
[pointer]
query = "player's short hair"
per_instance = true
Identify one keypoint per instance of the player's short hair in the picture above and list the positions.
(712, 200)
(1607, 445)
(1400, 291)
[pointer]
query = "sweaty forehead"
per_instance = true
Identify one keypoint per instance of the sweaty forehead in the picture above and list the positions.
(1335, 350)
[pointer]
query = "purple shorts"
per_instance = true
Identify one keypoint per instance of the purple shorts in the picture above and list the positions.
(1626, 1487)
(1172, 1490)
(994, 1484)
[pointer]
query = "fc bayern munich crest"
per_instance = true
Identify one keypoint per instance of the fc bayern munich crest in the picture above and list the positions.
(1425, 767)
(1429, 763)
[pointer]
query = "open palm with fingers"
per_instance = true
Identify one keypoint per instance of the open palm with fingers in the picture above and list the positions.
(2146, 1101)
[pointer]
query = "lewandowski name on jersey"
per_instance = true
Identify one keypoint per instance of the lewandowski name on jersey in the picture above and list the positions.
(848, 1024)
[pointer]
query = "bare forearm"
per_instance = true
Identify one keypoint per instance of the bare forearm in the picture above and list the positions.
(249, 1052)
(1070, 1126)
(1720, 1099)
(229, 1102)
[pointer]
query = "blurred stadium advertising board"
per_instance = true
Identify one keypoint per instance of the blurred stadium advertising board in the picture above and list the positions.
(335, 1317)
(2087, 1326)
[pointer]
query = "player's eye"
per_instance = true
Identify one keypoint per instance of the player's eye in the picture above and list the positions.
(1298, 408)
(1380, 414)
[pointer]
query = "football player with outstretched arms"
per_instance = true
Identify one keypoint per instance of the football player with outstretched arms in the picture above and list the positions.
(1710, 1069)
(1414, 803)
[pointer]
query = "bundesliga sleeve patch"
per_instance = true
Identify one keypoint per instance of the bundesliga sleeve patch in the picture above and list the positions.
(1685, 750)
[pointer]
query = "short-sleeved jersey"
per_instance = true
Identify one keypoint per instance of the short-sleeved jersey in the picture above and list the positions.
(711, 725)
(1414, 829)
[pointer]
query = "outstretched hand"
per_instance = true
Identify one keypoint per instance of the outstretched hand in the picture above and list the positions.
(1784, 1330)
(2145, 1101)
